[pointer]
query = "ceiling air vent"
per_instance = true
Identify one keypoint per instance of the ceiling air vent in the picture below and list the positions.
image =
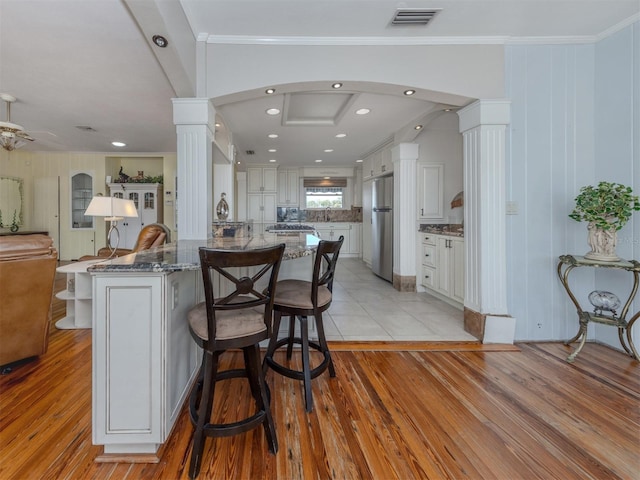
(414, 16)
(86, 128)
(250, 152)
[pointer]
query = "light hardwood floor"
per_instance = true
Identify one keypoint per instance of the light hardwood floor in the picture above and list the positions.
(394, 410)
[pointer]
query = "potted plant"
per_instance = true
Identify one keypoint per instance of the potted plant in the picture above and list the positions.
(607, 208)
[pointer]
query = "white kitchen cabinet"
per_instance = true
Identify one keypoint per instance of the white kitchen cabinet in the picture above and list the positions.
(352, 233)
(288, 187)
(147, 197)
(428, 256)
(355, 239)
(430, 191)
(357, 188)
(442, 265)
(377, 164)
(366, 222)
(261, 208)
(262, 179)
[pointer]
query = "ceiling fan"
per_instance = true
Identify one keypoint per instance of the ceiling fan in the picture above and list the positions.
(12, 135)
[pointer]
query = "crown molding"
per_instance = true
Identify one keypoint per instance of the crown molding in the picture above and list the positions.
(616, 28)
(353, 41)
(408, 41)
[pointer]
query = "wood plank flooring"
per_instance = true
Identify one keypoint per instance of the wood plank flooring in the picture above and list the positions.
(451, 412)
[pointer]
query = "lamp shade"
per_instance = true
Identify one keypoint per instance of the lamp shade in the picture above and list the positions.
(111, 208)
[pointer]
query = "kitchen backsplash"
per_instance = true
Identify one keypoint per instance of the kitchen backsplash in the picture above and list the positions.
(290, 214)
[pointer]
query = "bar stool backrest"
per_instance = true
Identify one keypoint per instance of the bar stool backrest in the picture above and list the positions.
(324, 267)
(242, 289)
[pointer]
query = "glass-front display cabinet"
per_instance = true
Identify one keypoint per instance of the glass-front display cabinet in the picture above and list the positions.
(81, 194)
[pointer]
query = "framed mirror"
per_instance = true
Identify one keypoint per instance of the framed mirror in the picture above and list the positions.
(11, 201)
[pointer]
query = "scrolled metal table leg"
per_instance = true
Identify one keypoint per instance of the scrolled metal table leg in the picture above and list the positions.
(582, 335)
(630, 339)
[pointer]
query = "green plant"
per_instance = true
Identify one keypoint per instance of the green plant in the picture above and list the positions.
(609, 205)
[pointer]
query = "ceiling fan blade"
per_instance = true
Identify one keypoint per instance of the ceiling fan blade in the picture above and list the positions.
(25, 136)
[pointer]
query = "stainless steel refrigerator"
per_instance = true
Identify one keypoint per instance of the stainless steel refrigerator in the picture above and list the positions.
(382, 227)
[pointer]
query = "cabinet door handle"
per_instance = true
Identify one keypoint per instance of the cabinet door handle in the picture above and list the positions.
(426, 254)
(422, 212)
(426, 276)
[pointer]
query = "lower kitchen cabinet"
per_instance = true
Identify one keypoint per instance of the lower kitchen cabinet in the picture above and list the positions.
(442, 265)
(352, 232)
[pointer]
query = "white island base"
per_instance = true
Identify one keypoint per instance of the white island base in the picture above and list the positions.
(144, 359)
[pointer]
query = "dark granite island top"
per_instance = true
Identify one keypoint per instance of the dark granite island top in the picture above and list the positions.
(183, 255)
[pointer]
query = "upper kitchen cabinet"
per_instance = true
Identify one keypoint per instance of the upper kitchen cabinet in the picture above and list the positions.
(288, 187)
(430, 191)
(378, 164)
(357, 188)
(262, 179)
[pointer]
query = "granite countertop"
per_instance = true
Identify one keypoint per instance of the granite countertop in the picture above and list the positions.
(451, 229)
(183, 255)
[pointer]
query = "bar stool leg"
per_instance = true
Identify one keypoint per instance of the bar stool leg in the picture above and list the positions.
(292, 331)
(306, 367)
(204, 412)
(323, 343)
(259, 391)
(271, 348)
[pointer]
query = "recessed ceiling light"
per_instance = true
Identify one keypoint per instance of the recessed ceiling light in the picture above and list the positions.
(272, 150)
(118, 144)
(318, 161)
(341, 135)
(336, 85)
(409, 92)
(418, 127)
(269, 91)
(359, 161)
(273, 111)
(326, 178)
(238, 162)
(447, 109)
(328, 150)
(217, 125)
(362, 111)
(160, 41)
(273, 135)
(273, 160)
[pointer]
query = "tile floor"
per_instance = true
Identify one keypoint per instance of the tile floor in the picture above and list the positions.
(366, 307)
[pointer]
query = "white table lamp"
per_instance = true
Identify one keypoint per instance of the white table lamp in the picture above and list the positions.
(112, 209)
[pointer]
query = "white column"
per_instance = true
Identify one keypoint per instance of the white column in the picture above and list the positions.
(405, 158)
(483, 126)
(194, 119)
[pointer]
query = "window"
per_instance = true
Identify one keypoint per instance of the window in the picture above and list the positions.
(323, 197)
(325, 192)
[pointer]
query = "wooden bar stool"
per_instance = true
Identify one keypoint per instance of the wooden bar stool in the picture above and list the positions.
(300, 299)
(239, 319)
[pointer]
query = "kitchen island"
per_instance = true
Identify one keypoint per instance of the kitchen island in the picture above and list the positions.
(144, 359)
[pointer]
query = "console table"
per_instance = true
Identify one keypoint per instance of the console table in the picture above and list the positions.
(565, 266)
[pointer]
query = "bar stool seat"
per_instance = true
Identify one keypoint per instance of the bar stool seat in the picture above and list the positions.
(240, 319)
(299, 299)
